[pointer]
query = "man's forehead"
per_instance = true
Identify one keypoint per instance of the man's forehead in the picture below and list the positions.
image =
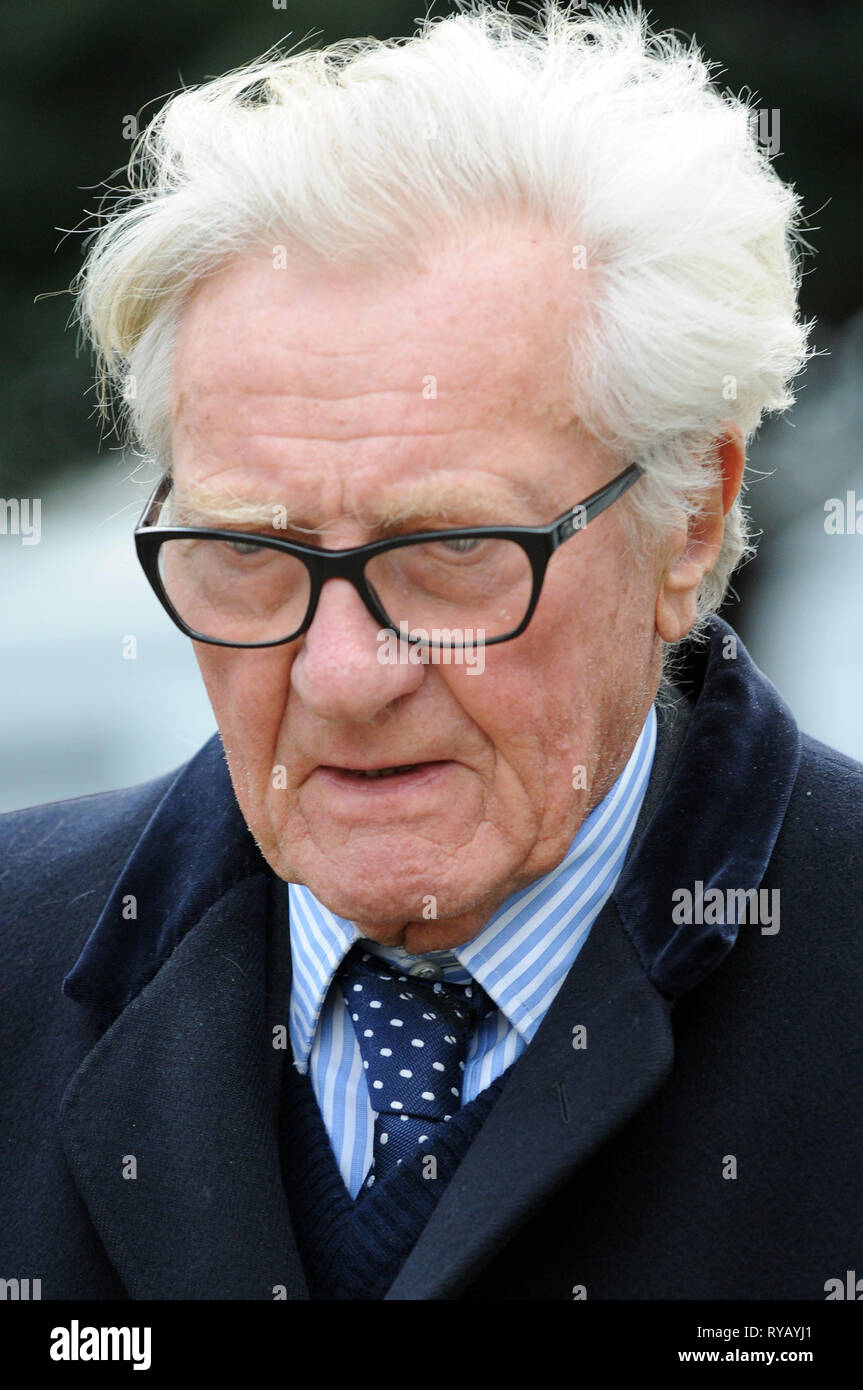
(481, 498)
(314, 349)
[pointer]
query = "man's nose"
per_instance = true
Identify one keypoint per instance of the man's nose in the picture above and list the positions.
(339, 671)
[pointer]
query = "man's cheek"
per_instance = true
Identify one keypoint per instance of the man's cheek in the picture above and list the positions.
(253, 713)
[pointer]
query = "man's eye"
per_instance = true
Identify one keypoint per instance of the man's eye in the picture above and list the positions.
(462, 543)
(243, 547)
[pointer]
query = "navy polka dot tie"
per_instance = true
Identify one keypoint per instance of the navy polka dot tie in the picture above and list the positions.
(414, 1037)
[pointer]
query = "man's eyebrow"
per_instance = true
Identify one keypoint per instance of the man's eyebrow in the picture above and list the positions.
(448, 501)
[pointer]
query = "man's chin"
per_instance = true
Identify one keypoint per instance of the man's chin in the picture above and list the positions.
(383, 916)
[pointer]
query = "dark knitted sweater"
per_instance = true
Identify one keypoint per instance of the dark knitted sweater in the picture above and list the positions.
(354, 1249)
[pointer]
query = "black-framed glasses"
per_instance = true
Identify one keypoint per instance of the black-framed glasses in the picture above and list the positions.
(473, 585)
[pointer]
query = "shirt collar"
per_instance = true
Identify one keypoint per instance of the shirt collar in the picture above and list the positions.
(523, 953)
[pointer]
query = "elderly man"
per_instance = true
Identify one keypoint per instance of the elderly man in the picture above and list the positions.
(505, 942)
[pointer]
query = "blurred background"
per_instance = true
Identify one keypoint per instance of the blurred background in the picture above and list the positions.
(82, 707)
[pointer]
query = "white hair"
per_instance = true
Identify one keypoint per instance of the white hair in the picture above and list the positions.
(368, 151)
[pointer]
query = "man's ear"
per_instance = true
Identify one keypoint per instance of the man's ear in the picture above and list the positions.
(693, 550)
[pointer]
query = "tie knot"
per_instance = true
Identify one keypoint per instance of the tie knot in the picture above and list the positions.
(372, 984)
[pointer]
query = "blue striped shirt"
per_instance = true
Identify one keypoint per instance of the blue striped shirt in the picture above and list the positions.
(520, 958)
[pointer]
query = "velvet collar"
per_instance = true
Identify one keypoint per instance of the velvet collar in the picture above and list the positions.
(715, 823)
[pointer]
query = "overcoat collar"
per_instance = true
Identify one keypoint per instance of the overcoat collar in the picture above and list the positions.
(179, 968)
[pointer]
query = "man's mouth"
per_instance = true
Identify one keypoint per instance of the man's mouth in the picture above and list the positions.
(381, 771)
(396, 772)
(392, 794)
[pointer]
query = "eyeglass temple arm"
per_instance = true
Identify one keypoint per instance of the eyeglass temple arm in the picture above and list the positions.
(577, 518)
(157, 496)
